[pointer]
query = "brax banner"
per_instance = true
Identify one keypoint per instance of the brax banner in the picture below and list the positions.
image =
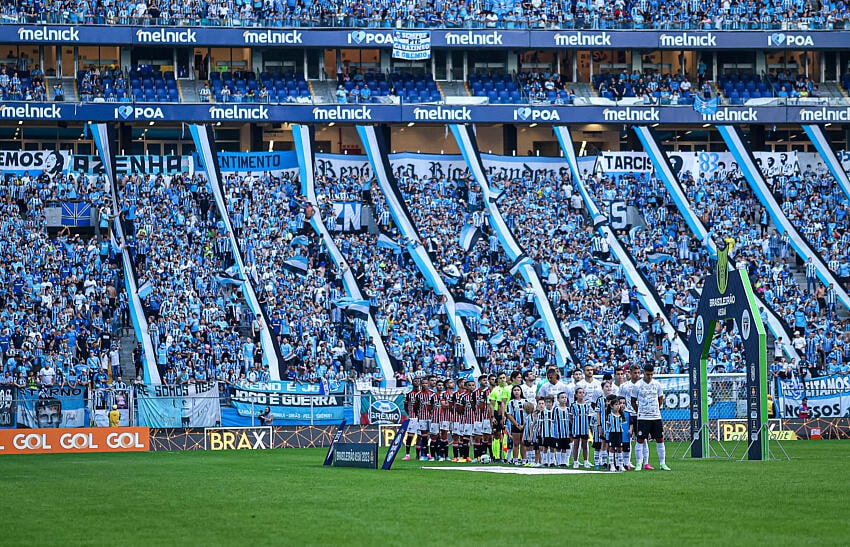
(291, 403)
(186, 405)
(442, 38)
(239, 438)
(141, 165)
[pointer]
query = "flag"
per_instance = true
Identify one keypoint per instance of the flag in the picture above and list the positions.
(76, 214)
(496, 195)
(632, 323)
(469, 236)
(145, 290)
(579, 324)
(297, 265)
(599, 220)
(227, 278)
(537, 324)
(358, 309)
(452, 274)
(633, 232)
(705, 106)
(299, 240)
(655, 258)
(608, 265)
(386, 242)
(497, 338)
(466, 308)
(518, 263)
(114, 242)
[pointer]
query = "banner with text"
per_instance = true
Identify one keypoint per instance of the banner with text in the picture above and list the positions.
(187, 405)
(382, 406)
(276, 164)
(52, 407)
(828, 397)
(291, 403)
(19, 162)
(412, 45)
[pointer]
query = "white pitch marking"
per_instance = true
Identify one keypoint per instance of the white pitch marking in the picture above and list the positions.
(520, 470)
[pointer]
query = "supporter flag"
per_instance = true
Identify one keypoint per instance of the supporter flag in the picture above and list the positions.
(633, 232)
(579, 325)
(452, 274)
(496, 194)
(76, 214)
(518, 263)
(297, 265)
(227, 278)
(608, 265)
(299, 240)
(497, 338)
(146, 289)
(466, 308)
(538, 324)
(469, 236)
(655, 258)
(705, 106)
(599, 220)
(356, 308)
(386, 242)
(468, 374)
(115, 247)
(632, 323)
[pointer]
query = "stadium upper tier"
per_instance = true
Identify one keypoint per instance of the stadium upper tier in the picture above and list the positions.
(507, 14)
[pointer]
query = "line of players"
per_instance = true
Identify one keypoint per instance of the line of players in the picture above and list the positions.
(547, 425)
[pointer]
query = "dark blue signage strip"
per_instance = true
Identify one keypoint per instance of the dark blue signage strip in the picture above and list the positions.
(440, 38)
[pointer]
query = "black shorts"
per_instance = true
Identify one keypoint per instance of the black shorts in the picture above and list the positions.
(500, 422)
(548, 442)
(597, 444)
(528, 444)
(580, 437)
(650, 429)
(562, 443)
(615, 441)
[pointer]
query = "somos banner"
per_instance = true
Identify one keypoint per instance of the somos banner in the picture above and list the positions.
(190, 405)
(55, 441)
(292, 403)
(828, 397)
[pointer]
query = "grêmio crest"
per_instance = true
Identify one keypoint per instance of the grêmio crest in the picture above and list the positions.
(722, 275)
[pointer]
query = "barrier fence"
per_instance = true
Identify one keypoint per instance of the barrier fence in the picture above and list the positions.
(210, 404)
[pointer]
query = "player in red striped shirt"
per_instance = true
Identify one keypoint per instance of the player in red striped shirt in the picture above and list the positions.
(413, 426)
(423, 416)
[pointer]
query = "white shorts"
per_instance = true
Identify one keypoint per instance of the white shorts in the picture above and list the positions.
(484, 427)
(457, 428)
(467, 430)
(412, 425)
(435, 428)
(424, 425)
(445, 425)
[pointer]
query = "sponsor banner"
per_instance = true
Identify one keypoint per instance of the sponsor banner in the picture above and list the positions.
(188, 405)
(411, 45)
(406, 113)
(736, 430)
(238, 438)
(142, 165)
(292, 402)
(52, 407)
(451, 38)
(19, 162)
(828, 397)
(7, 406)
(363, 455)
(275, 163)
(57, 441)
(282, 437)
(677, 399)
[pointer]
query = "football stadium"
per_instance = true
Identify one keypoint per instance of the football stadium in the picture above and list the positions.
(337, 272)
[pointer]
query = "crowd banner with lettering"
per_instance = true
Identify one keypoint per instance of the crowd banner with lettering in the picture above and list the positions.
(346, 216)
(52, 407)
(381, 406)
(7, 406)
(828, 397)
(724, 392)
(186, 405)
(19, 162)
(291, 403)
(412, 45)
(277, 164)
(139, 165)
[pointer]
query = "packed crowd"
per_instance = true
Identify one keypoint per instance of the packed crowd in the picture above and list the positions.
(63, 302)
(652, 87)
(409, 316)
(507, 14)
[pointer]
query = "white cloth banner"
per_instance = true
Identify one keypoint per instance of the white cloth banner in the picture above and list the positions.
(185, 405)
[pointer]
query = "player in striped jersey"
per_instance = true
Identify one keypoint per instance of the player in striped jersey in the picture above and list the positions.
(413, 427)
(546, 428)
(442, 419)
(423, 416)
(580, 412)
(600, 441)
(562, 430)
(483, 427)
(516, 424)
(465, 404)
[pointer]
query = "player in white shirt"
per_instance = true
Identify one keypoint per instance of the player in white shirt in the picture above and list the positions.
(573, 384)
(626, 391)
(529, 387)
(591, 386)
(647, 397)
(553, 387)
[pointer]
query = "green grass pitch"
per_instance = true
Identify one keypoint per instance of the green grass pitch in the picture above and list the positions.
(286, 497)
